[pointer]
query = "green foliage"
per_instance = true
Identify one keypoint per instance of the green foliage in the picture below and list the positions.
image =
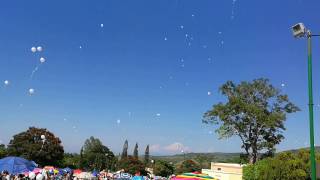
(3, 151)
(255, 112)
(188, 166)
(163, 168)
(132, 165)
(96, 156)
(135, 151)
(71, 161)
(124, 154)
(147, 155)
(203, 161)
(29, 145)
(284, 166)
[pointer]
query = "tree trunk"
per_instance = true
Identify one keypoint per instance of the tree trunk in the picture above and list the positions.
(253, 158)
(253, 155)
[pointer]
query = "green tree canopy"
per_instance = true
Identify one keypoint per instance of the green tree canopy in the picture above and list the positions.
(132, 165)
(96, 156)
(163, 168)
(284, 166)
(71, 160)
(3, 151)
(30, 145)
(188, 166)
(255, 111)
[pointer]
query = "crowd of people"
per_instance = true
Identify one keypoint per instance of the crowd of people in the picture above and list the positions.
(48, 175)
(5, 175)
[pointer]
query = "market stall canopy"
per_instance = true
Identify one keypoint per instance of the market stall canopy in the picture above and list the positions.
(48, 168)
(16, 165)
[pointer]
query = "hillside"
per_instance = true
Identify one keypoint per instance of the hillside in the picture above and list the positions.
(317, 149)
(213, 157)
(209, 157)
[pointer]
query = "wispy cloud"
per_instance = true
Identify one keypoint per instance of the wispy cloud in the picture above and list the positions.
(155, 148)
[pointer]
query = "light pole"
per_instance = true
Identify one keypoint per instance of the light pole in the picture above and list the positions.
(300, 31)
(184, 155)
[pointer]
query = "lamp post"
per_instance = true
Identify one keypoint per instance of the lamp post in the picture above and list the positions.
(184, 155)
(300, 31)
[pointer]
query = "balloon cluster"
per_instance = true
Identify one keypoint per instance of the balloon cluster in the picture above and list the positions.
(38, 49)
(42, 60)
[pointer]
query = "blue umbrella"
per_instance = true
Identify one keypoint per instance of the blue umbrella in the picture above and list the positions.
(95, 173)
(16, 165)
(67, 170)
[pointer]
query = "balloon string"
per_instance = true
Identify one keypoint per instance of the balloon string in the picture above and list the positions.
(34, 71)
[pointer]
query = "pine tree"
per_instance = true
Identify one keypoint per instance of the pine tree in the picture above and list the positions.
(135, 152)
(147, 155)
(124, 154)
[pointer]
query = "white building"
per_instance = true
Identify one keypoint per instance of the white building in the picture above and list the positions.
(225, 171)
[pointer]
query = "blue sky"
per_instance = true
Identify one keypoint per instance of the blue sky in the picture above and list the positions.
(145, 75)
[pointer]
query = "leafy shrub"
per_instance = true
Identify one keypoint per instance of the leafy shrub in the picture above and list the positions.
(284, 166)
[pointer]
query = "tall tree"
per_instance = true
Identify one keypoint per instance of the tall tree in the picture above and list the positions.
(37, 144)
(124, 154)
(255, 111)
(147, 155)
(97, 156)
(135, 151)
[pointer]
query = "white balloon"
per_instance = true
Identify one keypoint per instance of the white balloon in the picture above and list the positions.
(32, 175)
(209, 93)
(31, 91)
(6, 82)
(43, 137)
(33, 49)
(39, 48)
(101, 25)
(42, 60)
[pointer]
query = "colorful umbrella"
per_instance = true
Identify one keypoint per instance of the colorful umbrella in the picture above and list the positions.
(193, 176)
(67, 170)
(37, 170)
(77, 171)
